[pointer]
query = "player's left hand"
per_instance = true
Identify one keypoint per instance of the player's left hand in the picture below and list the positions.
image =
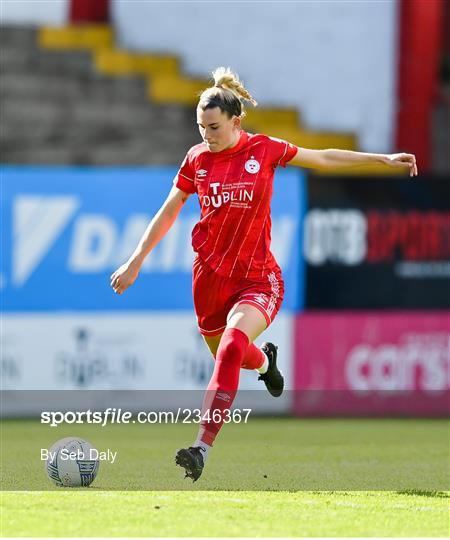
(403, 160)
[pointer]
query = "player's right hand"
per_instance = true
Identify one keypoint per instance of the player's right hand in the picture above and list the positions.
(123, 278)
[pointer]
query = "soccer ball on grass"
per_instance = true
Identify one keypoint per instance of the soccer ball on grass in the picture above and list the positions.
(72, 462)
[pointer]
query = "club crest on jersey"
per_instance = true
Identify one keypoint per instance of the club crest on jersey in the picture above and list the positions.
(252, 166)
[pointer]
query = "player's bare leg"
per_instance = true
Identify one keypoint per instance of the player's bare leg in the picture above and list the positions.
(245, 323)
(247, 319)
(254, 359)
(212, 343)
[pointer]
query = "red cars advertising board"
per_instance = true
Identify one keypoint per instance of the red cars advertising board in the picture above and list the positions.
(372, 363)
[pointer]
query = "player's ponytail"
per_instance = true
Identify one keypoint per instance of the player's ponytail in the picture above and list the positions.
(228, 93)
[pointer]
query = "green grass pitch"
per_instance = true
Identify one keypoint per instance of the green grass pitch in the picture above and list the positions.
(271, 477)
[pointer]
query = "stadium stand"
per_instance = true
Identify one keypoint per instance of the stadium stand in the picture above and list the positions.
(58, 109)
(70, 97)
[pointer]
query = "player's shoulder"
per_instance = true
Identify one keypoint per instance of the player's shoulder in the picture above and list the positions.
(262, 138)
(196, 150)
(257, 137)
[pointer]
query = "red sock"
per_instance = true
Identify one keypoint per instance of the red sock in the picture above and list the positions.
(254, 357)
(222, 388)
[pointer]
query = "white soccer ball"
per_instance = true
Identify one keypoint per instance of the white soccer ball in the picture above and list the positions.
(72, 462)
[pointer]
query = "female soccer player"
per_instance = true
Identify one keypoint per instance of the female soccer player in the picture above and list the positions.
(237, 283)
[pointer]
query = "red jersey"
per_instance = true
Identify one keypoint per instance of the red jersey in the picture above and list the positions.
(234, 188)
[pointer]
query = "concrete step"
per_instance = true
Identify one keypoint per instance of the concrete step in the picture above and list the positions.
(32, 60)
(58, 134)
(156, 151)
(17, 36)
(91, 114)
(32, 86)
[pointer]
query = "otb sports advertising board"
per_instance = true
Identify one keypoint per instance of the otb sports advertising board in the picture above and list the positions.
(374, 243)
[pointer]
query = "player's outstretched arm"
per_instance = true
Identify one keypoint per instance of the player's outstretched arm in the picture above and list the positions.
(334, 159)
(126, 274)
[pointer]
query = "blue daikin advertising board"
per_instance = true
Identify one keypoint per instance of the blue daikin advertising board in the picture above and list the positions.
(64, 231)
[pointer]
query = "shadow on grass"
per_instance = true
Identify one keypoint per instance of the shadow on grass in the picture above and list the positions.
(423, 493)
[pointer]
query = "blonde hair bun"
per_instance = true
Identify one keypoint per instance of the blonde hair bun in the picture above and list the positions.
(227, 79)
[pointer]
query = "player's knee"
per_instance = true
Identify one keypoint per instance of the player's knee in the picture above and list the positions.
(232, 347)
(229, 352)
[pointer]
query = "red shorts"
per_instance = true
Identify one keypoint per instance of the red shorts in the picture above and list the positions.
(215, 295)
